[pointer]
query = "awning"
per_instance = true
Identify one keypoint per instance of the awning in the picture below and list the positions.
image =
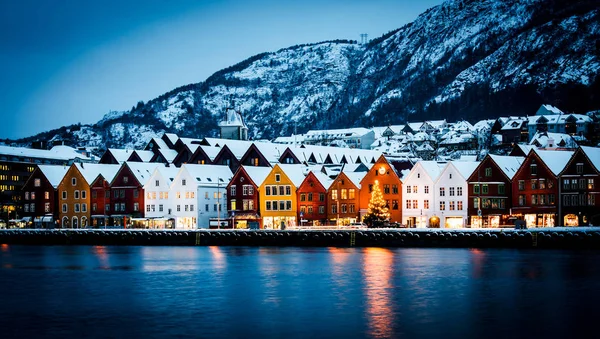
(26, 219)
(47, 219)
(139, 219)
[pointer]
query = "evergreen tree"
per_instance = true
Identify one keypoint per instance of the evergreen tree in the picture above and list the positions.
(377, 212)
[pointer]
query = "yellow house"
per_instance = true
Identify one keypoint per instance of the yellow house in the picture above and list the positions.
(278, 205)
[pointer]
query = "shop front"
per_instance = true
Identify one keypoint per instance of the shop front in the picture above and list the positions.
(246, 221)
(539, 220)
(571, 220)
(415, 222)
(186, 223)
(454, 222)
(277, 223)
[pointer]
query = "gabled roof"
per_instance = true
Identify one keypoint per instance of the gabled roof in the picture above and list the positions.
(60, 152)
(355, 177)
(432, 168)
(120, 155)
(509, 165)
(146, 156)
(209, 175)
(159, 143)
(294, 172)
(554, 160)
(257, 174)
(167, 173)
(91, 171)
(168, 154)
(542, 139)
(142, 171)
(53, 173)
(172, 137)
(465, 168)
(593, 153)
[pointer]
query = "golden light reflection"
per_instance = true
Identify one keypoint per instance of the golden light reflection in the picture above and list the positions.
(219, 259)
(478, 259)
(100, 253)
(5, 248)
(269, 271)
(377, 272)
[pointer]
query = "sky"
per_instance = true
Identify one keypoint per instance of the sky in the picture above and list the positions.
(71, 61)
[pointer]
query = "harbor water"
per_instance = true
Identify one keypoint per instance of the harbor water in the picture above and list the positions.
(292, 292)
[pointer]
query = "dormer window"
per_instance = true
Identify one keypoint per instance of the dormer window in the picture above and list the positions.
(73, 181)
(183, 182)
(580, 168)
(533, 169)
(277, 177)
(125, 180)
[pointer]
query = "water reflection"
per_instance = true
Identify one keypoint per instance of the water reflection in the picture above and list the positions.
(377, 273)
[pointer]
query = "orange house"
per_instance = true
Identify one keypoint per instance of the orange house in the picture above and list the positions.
(343, 198)
(390, 185)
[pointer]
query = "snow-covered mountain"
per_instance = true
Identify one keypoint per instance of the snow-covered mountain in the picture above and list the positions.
(469, 59)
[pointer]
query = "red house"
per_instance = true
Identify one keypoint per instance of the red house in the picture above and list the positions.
(40, 196)
(100, 205)
(535, 187)
(243, 198)
(127, 192)
(579, 188)
(312, 199)
(490, 191)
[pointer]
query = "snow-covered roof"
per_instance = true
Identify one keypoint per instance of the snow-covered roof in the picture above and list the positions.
(484, 124)
(272, 152)
(54, 173)
(160, 143)
(509, 165)
(291, 140)
(258, 174)
(355, 177)
(146, 156)
(142, 170)
(232, 118)
(323, 178)
(121, 155)
(514, 123)
(559, 118)
(526, 148)
(168, 154)
(462, 125)
(415, 126)
(336, 133)
(237, 147)
(454, 138)
(167, 173)
(294, 172)
(593, 153)
(209, 175)
(172, 137)
(210, 151)
(543, 139)
(59, 152)
(555, 160)
(548, 109)
(91, 171)
(465, 168)
(433, 168)
(436, 123)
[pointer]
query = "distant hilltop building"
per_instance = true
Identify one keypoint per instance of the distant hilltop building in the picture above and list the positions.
(233, 126)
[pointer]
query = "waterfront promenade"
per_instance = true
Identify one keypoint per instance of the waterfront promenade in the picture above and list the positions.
(557, 237)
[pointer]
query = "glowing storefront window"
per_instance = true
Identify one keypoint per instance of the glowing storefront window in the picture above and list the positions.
(571, 220)
(476, 222)
(530, 220)
(454, 222)
(494, 221)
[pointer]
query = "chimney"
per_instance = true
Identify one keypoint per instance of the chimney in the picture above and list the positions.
(550, 142)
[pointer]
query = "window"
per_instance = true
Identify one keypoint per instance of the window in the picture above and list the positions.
(590, 183)
(147, 208)
(534, 199)
(302, 197)
(476, 203)
(415, 204)
(83, 207)
(459, 191)
(156, 183)
(122, 206)
(136, 194)
(244, 190)
(579, 168)
(501, 189)
(37, 182)
(386, 189)
(591, 199)
(77, 208)
(394, 189)
(344, 194)
(122, 193)
(206, 207)
(371, 188)
(179, 208)
(542, 199)
(334, 208)
(288, 190)
(485, 189)
(451, 191)
(442, 191)
(352, 207)
(281, 190)
(116, 207)
(153, 208)
(451, 205)
(321, 209)
(321, 196)
(334, 195)
(418, 175)
(582, 184)
(183, 182)
(76, 194)
(64, 208)
(533, 169)
(488, 172)
(277, 177)
(426, 190)
(107, 207)
(136, 206)
(160, 208)
(415, 189)
(344, 208)
(459, 205)
(542, 183)
(283, 205)
(26, 195)
(442, 205)
(267, 190)
(450, 176)
(476, 188)
(408, 204)
(107, 194)
(551, 199)
(303, 209)
(26, 208)
(521, 185)
(426, 204)
(215, 195)
(94, 194)
(83, 194)
(408, 189)
(185, 207)
(73, 181)
(574, 184)
(47, 207)
(310, 196)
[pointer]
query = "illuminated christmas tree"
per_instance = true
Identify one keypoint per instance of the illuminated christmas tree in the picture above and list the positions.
(377, 212)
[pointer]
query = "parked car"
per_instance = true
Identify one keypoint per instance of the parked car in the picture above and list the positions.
(358, 225)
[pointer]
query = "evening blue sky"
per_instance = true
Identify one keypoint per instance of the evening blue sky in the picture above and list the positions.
(64, 62)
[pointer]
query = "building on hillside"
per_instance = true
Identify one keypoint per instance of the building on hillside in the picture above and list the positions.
(278, 205)
(243, 199)
(350, 137)
(548, 140)
(233, 126)
(490, 191)
(40, 196)
(579, 189)
(535, 187)
(312, 201)
(572, 124)
(384, 174)
(451, 194)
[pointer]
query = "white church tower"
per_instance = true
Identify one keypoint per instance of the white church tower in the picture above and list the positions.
(233, 126)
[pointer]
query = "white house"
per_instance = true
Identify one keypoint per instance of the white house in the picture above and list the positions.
(158, 203)
(418, 199)
(451, 194)
(199, 194)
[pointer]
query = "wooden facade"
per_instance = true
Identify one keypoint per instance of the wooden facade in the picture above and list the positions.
(343, 200)
(312, 201)
(391, 188)
(127, 196)
(74, 199)
(243, 200)
(40, 200)
(100, 202)
(579, 190)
